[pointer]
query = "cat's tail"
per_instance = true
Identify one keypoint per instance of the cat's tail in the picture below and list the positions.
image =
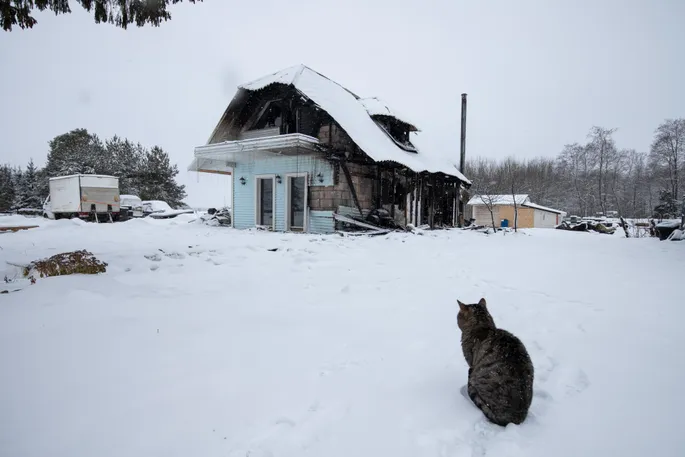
(484, 407)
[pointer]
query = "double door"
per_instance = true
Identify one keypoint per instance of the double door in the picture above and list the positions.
(295, 193)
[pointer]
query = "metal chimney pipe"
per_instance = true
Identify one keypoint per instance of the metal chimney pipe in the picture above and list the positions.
(462, 157)
(462, 160)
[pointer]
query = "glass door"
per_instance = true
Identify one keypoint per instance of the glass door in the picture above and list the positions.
(265, 201)
(297, 202)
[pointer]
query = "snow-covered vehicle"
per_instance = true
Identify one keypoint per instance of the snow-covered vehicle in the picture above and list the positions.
(90, 197)
(131, 206)
(158, 209)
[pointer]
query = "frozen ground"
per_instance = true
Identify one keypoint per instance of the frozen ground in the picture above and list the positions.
(200, 341)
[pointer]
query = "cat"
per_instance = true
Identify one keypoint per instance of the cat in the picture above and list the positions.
(501, 372)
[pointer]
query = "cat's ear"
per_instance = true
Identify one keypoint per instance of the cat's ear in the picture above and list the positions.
(462, 306)
(482, 303)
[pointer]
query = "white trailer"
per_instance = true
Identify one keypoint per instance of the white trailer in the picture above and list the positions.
(92, 197)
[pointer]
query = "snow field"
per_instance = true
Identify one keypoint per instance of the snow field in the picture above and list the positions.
(332, 346)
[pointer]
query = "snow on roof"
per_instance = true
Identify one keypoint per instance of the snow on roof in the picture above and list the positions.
(344, 106)
(157, 205)
(499, 199)
(78, 175)
(377, 107)
(543, 208)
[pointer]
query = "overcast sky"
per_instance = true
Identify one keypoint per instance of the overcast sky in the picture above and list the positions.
(538, 75)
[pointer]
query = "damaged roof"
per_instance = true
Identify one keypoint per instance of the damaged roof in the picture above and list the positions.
(377, 107)
(354, 116)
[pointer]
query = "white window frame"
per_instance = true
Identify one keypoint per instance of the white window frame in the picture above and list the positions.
(304, 175)
(257, 200)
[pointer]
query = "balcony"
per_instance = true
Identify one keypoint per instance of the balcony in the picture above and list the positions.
(255, 144)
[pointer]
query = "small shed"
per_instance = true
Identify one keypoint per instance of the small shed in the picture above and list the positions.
(530, 215)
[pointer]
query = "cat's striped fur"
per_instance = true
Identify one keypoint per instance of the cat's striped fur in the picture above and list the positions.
(500, 370)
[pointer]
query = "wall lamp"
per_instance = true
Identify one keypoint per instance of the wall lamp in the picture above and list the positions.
(320, 177)
(278, 179)
(242, 180)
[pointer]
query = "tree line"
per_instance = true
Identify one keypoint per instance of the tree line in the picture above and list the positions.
(147, 173)
(596, 176)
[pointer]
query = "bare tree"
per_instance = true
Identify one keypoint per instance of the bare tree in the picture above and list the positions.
(486, 187)
(592, 176)
(490, 200)
(668, 152)
(511, 177)
(576, 164)
(603, 147)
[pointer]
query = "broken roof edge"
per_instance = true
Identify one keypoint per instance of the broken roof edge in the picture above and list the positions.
(378, 107)
(287, 76)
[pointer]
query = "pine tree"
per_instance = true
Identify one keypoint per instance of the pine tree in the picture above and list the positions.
(76, 152)
(667, 207)
(6, 188)
(32, 196)
(18, 186)
(158, 178)
(126, 161)
(121, 13)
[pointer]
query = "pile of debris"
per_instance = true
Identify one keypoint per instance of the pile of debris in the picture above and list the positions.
(587, 226)
(378, 221)
(668, 230)
(216, 218)
(66, 263)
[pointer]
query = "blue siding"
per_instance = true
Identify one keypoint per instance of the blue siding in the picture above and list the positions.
(244, 195)
(321, 222)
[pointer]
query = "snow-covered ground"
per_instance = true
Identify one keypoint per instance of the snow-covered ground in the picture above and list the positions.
(200, 341)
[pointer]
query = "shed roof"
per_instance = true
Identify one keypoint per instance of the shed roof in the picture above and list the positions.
(499, 199)
(543, 208)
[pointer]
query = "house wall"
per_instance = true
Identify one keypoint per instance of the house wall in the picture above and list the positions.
(244, 203)
(525, 216)
(339, 193)
(482, 215)
(545, 219)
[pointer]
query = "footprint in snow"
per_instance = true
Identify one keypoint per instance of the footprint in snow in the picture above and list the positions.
(579, 384)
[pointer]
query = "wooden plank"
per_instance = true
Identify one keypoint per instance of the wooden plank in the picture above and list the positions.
(348, 177)
(218, 172)
(17, 228)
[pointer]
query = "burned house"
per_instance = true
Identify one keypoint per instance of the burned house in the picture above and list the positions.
(308, 155)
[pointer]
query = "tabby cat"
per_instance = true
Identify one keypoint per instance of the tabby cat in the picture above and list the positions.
(500, 370)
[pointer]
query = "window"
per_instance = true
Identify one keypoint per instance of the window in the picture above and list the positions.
(397, 131)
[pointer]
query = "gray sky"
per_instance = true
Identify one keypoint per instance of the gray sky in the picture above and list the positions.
(538, 75)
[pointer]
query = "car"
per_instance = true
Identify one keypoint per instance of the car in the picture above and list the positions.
(158, 209)
(131, 206)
